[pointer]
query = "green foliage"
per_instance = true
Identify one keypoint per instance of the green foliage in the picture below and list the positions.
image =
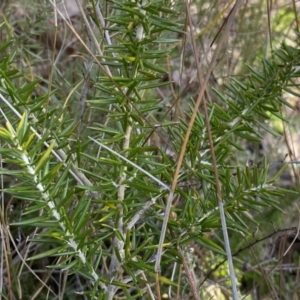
(96, 191)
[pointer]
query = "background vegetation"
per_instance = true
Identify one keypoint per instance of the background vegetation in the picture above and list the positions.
(149, 149)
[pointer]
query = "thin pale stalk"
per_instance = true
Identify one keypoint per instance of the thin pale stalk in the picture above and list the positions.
(133, 164)
(214, 162)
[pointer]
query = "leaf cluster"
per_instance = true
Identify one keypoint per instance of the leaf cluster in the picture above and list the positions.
(98, 195)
